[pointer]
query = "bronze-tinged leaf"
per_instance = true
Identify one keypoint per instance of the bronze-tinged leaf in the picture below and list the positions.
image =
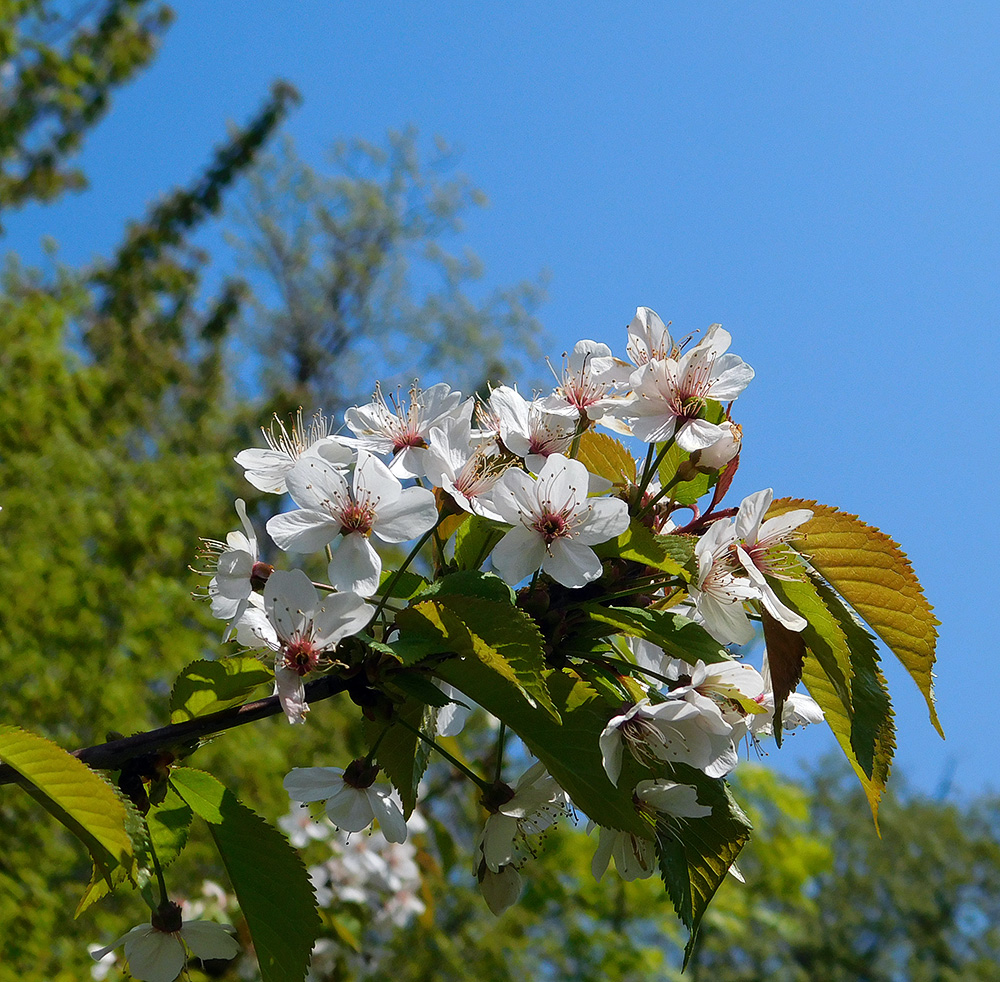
(786, 652)
(872, 573)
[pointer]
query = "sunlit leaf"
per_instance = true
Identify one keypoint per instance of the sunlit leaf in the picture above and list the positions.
(73, 794)
(475, 540)
(871, 572)
(639, 545)
(607, 457)
(205, 687)
(501, 637)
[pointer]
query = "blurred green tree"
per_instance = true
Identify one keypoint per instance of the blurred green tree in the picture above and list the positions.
(60, 63)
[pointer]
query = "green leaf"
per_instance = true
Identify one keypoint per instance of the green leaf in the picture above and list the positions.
(638, 544)
(401, 753)
(407, 586)
(823, 634)
(688, 492)
(73, 794)
(470, 583)
(872, 737)
(205, 687)
(475, 540)
(871, 572)
(674, 633)
(503, 638)
(168, 824)
(695, 857)
(411, 649)
(270, 881)
(570, 750)
(200, 791)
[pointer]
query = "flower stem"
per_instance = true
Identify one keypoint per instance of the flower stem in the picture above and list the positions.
(650, 469)
(632, 668)
(454, 761)
(394, 579)
(655, 500)
(159, 872)
(581, 428)
(501, 734)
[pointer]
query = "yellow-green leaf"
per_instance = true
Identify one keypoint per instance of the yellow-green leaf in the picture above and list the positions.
(73, 794)
(606, 457)
(872, 573)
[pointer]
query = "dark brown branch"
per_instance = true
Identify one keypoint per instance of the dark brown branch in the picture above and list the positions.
(114, 754)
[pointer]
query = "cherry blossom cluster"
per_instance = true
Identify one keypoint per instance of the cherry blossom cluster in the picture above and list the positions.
(401, 466)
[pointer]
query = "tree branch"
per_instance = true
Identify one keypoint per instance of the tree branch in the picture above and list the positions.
(114, 754)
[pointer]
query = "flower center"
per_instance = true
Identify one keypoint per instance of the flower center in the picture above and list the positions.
(302, 656)
(357, 517)
(551, 526)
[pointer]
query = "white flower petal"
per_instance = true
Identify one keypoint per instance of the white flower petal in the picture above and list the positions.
(313, 783)
(210, 940)
(518, 554)
(571, 563)
(410, 516)
(157, 957)
(356, 567)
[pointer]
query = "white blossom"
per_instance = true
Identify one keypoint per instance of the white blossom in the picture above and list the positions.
(266, 469)
(158, 954)
(590, 381)
(351, 804)
(555, 523)
(464, 465)
(374, 504)
(635, 856)
(528, 429)
(238, 571)
(762, 551)
(719, 594)
(301, 628)
(672, 730)
(404, 430)
(649, 338)
(669, 395)
(537, 802)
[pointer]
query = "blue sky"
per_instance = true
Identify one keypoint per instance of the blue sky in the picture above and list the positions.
(822, 179)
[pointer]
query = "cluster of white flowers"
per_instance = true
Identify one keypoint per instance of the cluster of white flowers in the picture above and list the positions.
(512, 460)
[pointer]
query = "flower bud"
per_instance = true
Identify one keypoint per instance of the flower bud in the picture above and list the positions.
(715, 457)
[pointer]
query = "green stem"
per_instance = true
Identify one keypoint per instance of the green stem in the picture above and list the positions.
(500, 741)
(655, 500)
(631, 666)
(159, 872)
(649, 471)
(454, 761)
(534, 580)
(581, 428)
(639, 587)
(394, 579)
